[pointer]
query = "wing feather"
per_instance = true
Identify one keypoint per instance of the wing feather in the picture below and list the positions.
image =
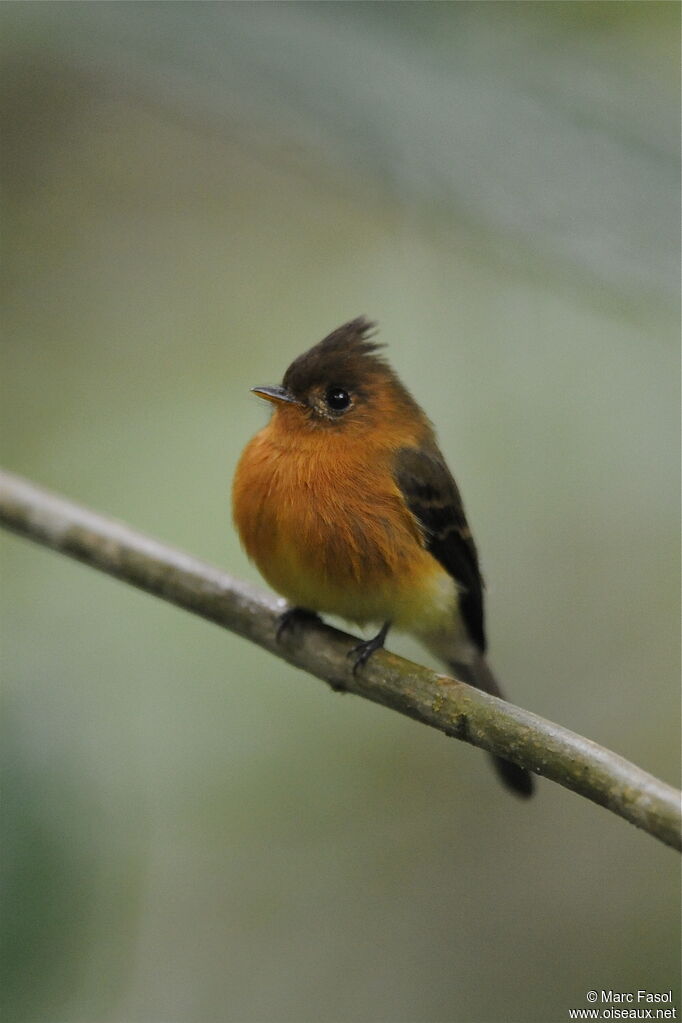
(432, 496)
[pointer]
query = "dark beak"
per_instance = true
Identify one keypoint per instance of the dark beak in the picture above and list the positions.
(275, 395)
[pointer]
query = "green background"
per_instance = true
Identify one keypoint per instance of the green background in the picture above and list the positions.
(193, 194)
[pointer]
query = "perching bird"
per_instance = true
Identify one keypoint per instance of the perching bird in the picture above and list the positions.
(346, 505)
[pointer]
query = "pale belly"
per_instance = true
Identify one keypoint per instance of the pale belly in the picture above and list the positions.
(417, 601)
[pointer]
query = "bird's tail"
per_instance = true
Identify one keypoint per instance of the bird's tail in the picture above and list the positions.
(478, 674)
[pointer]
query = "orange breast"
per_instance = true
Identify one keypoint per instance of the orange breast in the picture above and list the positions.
(328, 529)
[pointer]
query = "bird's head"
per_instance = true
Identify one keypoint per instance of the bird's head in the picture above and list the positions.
(343, 385)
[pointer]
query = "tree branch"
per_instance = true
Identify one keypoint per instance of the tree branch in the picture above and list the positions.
(453, 707)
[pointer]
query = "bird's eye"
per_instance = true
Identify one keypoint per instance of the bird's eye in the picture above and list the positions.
(337, 399)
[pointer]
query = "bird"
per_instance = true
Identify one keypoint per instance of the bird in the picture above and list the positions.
(346, 505)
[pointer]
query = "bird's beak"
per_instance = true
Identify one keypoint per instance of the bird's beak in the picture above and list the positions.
(277, 395)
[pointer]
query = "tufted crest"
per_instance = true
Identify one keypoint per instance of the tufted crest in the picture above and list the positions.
(345, 357)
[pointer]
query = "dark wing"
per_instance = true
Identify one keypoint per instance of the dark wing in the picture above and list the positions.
(433, 498)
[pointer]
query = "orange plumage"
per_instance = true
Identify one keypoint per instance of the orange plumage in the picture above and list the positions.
(347, 507)
(324, 520)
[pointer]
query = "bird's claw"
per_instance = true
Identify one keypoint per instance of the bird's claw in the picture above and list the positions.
(361, 653)
(291, 617)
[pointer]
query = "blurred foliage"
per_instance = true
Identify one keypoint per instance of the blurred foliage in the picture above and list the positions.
(193, 831)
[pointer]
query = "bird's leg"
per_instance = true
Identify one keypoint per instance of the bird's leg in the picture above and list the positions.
(363, 651)
(294, 616)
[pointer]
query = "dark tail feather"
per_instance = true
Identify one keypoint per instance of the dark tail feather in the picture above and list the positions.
(516, 778)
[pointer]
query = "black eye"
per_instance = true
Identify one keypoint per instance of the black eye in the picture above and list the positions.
(337, 398)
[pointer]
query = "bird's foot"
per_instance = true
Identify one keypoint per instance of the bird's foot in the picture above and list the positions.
(361, 653)
(294, 616)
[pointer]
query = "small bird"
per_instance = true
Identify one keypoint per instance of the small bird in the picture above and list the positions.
(346, 505)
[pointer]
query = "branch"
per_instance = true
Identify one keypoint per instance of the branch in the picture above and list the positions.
(453, 707)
